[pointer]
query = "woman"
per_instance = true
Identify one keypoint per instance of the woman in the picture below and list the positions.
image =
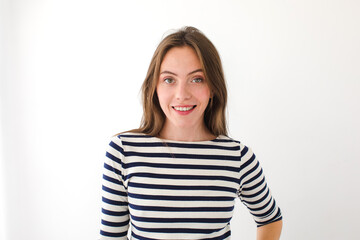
(177, 176)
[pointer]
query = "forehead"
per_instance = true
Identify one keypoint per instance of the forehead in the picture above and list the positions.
(180, 58)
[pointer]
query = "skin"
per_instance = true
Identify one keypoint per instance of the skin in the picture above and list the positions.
(270, 231)
(182, 83)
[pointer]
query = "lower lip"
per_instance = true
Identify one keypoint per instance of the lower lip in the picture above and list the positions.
(184, 112)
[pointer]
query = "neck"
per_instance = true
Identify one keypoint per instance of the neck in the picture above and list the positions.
(193, 134)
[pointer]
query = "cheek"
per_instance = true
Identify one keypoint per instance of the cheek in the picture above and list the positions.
(162, 96)
(203, 94)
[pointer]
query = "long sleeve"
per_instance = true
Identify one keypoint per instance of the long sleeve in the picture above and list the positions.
(115, 213)
(254, 191)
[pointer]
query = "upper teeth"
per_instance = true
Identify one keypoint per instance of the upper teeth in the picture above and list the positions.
(183, 108)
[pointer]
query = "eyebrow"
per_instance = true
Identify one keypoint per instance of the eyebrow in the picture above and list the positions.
(168, 72)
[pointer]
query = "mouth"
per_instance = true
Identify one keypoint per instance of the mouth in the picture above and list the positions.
(184, 109)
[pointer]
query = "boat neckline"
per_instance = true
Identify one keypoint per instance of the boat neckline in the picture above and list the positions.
(182, 141)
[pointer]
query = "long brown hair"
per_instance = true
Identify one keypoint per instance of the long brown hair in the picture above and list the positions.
(214, 118)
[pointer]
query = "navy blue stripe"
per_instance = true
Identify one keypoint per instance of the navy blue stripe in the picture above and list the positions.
(113, 202)
(181, 209)
(180, 145)
(115, 224)
(112, 169)
(277, 217)
(217, 140)
(148, 136)
(109, 234)
(113, 180)
(112, 157)
(182, 177)
(267, 213)
(244, 175)
(244, 151)
(176, 230)
(180, 198)
(182, 155)
(248, 162)
(222, 237)
(180, 220)
(134, 136)
(117, 147)
(225, 140)
(181, 187)
(181, 166)
(255, 177)
(262, 206)
(255, 194)
(255, 186)
(110, 190)
(141, 237)
(112, 213)
(258, 201)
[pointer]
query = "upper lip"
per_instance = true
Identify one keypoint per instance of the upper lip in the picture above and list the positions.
(184, 105)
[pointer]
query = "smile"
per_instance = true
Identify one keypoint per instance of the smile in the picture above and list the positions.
(183, 109)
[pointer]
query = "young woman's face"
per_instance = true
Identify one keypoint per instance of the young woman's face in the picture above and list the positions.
(182, 89)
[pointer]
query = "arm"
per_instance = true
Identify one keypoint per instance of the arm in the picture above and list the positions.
(115, 214)
(270, 231)
(256, 196)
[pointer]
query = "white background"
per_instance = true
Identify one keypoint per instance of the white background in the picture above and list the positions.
(71, 71)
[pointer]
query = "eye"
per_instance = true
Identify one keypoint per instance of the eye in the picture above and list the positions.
(197, 80)
(168, 80)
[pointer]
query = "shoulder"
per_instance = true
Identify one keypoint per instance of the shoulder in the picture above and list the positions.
(130, 136)
(230, 140)
(223, 138)
(246, 152)
(130, 141)
(120, 143)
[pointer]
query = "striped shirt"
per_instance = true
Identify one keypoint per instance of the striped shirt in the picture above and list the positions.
(169, 189)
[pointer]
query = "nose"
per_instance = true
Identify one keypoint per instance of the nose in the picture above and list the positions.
(183, 92)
